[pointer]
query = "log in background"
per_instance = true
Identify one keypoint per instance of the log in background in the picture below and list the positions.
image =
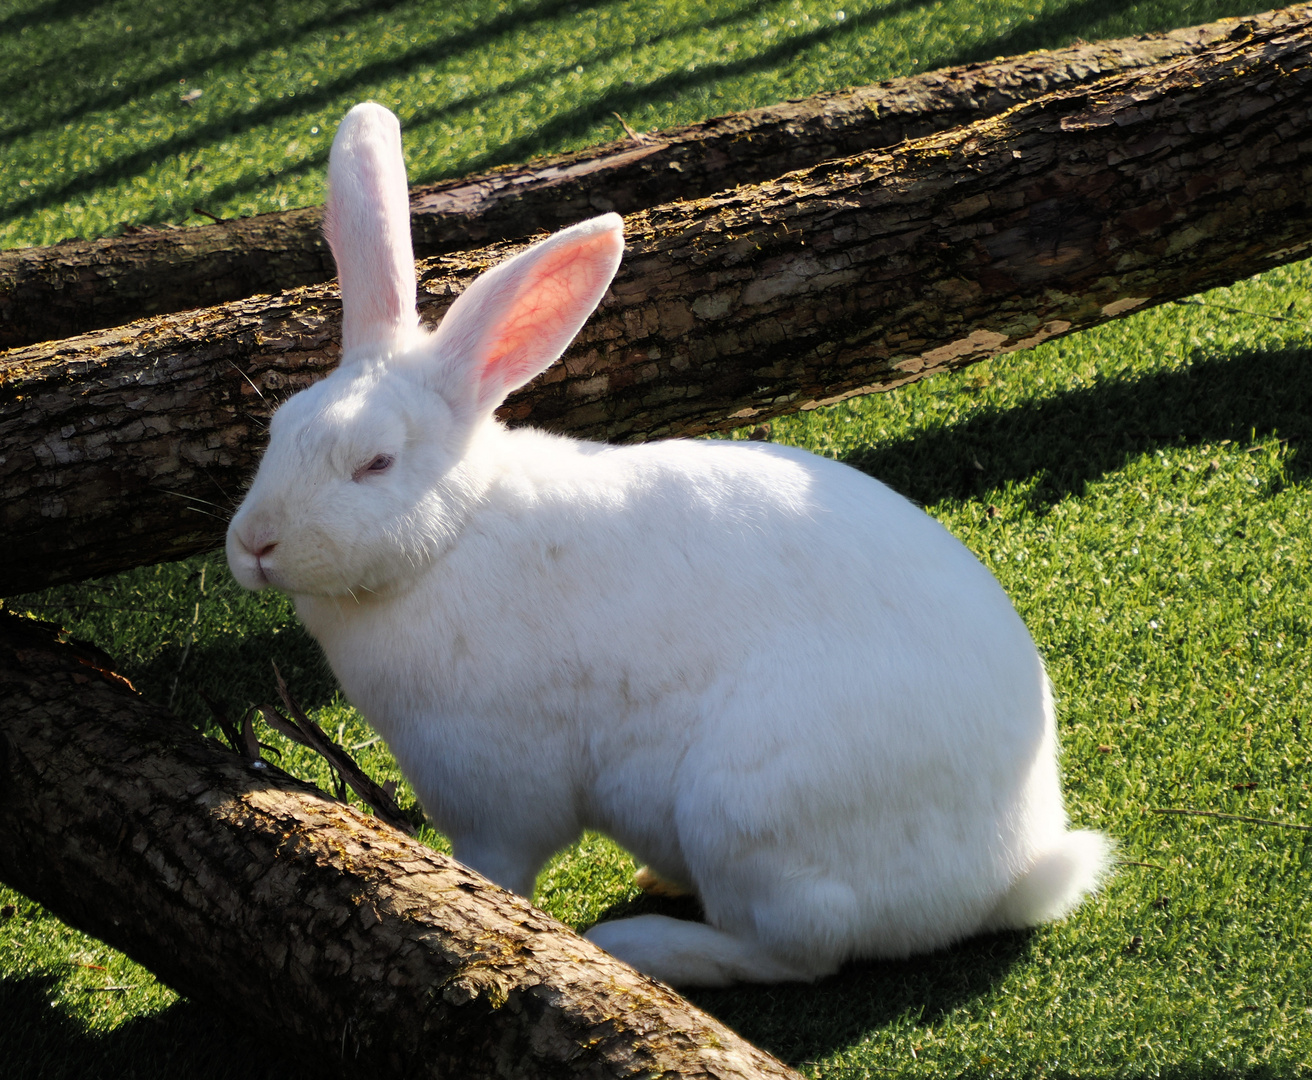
(328, 933)
(133, 445)
(79, 286)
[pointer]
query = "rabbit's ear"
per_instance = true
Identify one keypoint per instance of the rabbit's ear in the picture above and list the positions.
(517, 318)
(367, 223)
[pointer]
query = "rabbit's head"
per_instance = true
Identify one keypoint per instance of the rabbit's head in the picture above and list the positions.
(371, 472)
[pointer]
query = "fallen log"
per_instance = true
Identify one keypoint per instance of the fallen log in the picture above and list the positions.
(79, 286)
(334, 936)
(854, 275)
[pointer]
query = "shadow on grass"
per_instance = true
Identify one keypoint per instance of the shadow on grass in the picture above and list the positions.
(143, 63)
(800, 1022)
(179, 641)
(796, 1023)
(565, 125)
(198, 137)
(235, 670)
(1070, 24)
(1044, 32)
(1062, 443)
(49, 11)
(1051, 31)
(220, 126)
(40, 1042)
(599, 109)
(570, 124)
(95, 63)
(668, 87)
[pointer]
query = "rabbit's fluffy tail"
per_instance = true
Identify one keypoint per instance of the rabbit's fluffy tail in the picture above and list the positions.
(1059, 879)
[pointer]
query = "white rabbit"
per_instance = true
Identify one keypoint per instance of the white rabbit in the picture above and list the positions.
(781, 685)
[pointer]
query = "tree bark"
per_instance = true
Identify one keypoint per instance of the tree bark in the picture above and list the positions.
(854, 275)
(79, 286)
(334, 935)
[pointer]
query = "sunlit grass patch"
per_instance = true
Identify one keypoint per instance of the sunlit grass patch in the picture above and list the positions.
(136, 113)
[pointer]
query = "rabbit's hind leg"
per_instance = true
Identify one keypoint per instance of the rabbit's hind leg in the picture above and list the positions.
(686, 953)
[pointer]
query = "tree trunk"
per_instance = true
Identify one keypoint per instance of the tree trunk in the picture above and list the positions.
(336, 936)
(78, 286)
(852, 276)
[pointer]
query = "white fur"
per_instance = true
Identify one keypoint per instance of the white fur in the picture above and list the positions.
(774, 680)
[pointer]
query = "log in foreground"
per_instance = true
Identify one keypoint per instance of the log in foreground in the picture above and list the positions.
(333, 935)
(855, 275)
(78, 286)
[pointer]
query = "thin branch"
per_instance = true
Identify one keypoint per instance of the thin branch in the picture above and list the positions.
(636, 136)
(300, 728)
(226, 726)
(1227, 817)
(1246, 311)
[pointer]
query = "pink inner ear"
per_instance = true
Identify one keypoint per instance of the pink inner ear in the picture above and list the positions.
(554, 299)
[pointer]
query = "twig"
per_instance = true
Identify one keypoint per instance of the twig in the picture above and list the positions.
(250, 745)
(186, 651)
(213, 217)
(1246, 311)
(1146, 865)
(1227, 817)
(637, 136)
(240, 736)
(226, 726)
(300, 728)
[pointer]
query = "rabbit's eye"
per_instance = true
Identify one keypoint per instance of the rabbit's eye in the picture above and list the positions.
(381, 463)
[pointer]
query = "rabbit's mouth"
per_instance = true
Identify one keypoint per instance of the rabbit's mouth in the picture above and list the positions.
(251, 551)
(261, 573)
(249, 570)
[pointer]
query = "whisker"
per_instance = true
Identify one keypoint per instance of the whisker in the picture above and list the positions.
(221, 489)
(193, 498)
(248, 379)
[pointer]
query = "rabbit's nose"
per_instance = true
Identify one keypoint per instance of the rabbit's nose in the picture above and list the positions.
(264, 549)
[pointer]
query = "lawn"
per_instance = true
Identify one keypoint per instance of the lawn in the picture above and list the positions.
(1142, 491)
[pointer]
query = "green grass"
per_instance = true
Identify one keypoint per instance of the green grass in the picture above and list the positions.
(94, 134)
(1142, 491)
